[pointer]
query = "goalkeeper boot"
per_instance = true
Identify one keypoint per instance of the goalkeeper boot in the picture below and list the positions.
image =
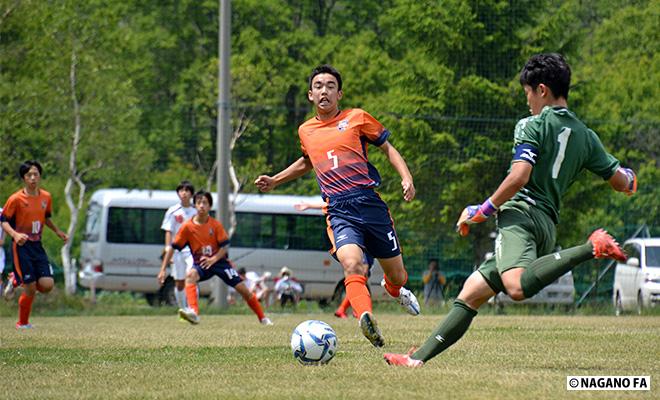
(189, 315)
(605, 246)
(407, 299)
(370, 329)
(403, 360)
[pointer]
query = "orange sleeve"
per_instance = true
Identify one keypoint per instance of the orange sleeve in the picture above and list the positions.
(9, 210)
(302, 145)
(373, 130)
(181, 238)
(49, 206)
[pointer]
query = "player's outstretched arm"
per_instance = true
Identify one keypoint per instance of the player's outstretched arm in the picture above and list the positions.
(624, 180)
(514, 181)
(297, 169)
(401, 167)
(60, 233)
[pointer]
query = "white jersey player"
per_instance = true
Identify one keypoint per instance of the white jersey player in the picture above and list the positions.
(182, 260)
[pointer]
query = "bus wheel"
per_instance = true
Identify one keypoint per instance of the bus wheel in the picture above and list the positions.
(340, 291)
(166, 293)
(152, 299)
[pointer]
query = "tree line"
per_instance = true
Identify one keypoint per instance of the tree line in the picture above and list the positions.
(123, 94)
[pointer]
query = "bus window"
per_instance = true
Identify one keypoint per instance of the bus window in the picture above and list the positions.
(280, 231)
(135, 225)
(93, 226)
(307, 232)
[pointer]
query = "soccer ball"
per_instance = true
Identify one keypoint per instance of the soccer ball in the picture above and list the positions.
(313, 343)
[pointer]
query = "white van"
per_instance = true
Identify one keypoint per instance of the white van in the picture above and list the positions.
(637, 281)
(123, 242)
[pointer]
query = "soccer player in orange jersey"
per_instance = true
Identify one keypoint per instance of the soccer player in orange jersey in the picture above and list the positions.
(208, 242)
(23, 218)
(334, 143)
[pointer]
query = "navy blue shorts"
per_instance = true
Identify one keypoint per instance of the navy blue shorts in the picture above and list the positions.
(222, 269)
(30, 262)
(361, 217)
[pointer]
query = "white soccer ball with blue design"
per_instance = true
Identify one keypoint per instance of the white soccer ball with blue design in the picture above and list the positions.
(314, 342)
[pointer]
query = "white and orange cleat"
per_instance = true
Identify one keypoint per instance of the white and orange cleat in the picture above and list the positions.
(189, 315)
(605, 246)
(10, 288)
(403, 360)
(406, 298)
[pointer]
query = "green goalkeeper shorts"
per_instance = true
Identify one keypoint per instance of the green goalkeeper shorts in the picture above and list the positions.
(524, 233)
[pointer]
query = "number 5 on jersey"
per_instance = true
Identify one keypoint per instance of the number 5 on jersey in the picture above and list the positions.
(334, 158)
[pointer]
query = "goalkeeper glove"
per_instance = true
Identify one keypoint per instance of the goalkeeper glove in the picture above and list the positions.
(474, 215)
(631, 188)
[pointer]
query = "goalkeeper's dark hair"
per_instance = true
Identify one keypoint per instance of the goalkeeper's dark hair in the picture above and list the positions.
(186, 185)
(549, 69)
(203, 193)
(325, 69)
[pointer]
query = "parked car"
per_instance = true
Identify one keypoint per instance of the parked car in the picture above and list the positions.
(637, 281)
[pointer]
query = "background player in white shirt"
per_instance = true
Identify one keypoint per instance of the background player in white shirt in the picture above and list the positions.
(182, 260)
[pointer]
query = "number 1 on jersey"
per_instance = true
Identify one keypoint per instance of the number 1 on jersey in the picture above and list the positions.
(563, 142)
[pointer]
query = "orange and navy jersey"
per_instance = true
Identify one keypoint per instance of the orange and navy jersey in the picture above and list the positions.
(337, 149)
(27, 214)
(203, 240)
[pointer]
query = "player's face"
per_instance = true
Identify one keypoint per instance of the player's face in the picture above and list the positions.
(325, 94)
(202, 205)
(32, 178)
(536, 98)
(184, 196)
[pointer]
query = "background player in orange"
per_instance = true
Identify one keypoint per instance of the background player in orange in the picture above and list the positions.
(335, 144)
(209, 243)
(23, 218)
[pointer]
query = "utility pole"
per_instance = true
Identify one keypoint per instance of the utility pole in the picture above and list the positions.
(223, 132)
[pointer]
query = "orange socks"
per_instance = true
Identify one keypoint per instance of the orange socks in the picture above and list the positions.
(393, 289)
(192, 297)
(357, 293)
(24, 308)
(344, 305)
(256, 307)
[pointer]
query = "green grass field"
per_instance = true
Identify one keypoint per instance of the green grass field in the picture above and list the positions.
(233, 357)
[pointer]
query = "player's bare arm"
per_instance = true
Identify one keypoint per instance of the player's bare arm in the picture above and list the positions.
(19, 238)
(167, 258)
(207, 262)
(401, 167)
(61, 234)
(624, 180)
(297, 169)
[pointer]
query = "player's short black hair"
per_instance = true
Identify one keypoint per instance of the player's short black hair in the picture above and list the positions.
(203, 193)
(186, 185)
(25, 167)
(242, 271)
(325, 69)
(550, 69)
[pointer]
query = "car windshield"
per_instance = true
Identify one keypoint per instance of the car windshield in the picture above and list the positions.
(653, 256)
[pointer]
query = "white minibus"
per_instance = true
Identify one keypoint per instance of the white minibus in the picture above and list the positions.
(123, 242)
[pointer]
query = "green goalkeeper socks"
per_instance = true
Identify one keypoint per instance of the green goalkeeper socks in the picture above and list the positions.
(448, 332)
(547, 269)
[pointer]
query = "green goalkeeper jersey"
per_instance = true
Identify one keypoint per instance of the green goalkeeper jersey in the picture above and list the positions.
(565, 146)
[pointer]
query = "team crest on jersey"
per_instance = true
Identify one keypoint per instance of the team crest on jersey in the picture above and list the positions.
(179, 218)
(211, 231)
(44, 204)
(342, 125)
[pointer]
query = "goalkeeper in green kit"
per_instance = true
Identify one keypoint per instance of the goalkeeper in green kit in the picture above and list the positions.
(550, 149)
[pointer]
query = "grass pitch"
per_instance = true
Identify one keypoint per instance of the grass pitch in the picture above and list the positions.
(233, 357)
